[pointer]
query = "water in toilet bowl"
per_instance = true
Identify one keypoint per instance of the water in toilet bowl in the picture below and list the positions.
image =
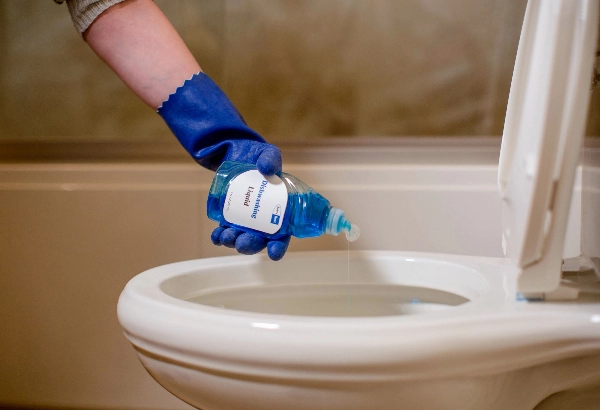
(331, 300)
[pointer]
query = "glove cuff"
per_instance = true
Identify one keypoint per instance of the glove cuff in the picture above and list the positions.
(200, 115)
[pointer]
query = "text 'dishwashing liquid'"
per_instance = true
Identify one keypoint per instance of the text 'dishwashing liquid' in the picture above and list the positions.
(275, 206)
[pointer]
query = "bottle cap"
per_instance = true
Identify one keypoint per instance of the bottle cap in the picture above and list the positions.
(332, 223)
(353, 233)
(337, 222)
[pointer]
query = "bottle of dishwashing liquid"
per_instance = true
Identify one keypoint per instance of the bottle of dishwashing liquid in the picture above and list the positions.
(274, 206)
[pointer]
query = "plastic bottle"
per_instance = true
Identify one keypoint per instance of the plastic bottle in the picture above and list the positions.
(275, 206)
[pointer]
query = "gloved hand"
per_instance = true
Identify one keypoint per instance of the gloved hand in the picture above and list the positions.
(210, 128)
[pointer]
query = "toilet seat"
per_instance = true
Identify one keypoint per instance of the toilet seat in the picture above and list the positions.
(543, 136)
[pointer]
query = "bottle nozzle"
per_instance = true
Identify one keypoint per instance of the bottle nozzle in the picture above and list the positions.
(337, 222)
(353, 233)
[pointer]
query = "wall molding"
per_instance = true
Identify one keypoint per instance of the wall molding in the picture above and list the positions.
(467, 150)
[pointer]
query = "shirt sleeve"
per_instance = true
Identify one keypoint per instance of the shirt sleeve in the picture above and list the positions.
(84, 12)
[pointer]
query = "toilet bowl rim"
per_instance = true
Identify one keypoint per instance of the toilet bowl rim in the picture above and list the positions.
(495, 272)
(395, 352)
(494, 277)
(498, 297)
(487, 325)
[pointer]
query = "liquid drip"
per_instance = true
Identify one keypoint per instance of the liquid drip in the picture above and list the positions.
(348, 274)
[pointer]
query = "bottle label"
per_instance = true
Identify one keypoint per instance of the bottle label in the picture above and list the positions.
(256, 201)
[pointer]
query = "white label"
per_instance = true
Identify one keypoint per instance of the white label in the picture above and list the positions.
(256, 201)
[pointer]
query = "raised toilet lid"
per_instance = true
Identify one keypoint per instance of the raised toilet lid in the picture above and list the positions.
(543, 135)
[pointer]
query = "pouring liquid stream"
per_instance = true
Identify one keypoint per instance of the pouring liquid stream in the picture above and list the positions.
(352, 233)
(348, 275)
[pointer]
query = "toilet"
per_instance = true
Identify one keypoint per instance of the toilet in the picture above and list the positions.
(407, 330)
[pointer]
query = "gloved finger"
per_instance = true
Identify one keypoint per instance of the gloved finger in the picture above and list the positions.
(249, 244)
(269, 161)
(276, 249)
(229, 236)
(214, 236)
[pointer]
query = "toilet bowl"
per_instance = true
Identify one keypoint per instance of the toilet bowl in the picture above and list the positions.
(405, 330)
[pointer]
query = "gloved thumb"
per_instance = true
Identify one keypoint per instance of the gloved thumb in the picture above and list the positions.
(269, 161)
(277, 248)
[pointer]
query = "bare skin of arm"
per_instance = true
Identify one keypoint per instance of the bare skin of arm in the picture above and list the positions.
(139, 43)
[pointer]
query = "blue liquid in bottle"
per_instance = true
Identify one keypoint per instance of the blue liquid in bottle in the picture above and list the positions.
(307, 213)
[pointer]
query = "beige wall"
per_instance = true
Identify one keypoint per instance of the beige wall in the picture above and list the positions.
(297, 70)
(372, 67)
(54, 88)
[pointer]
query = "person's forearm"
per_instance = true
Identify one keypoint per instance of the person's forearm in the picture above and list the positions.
(138, 42)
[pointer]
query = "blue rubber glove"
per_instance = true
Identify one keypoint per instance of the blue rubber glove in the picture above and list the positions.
(212, 131)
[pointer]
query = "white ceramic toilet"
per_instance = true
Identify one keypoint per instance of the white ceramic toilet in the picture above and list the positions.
(407, 330)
